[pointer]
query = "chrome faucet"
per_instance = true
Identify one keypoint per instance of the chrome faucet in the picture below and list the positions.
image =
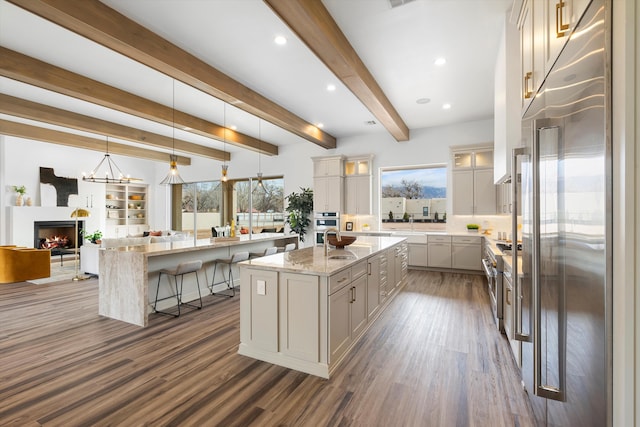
(324, 239)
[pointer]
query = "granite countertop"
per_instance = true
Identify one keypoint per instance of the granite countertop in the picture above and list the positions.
(163, 248)
(313, 261)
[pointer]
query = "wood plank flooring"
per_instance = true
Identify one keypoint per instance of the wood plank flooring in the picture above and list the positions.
(433, 358)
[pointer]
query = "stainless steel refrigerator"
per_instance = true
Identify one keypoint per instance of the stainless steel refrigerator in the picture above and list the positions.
(563, 315)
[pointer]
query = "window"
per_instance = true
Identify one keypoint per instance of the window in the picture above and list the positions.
(413, 198)
(208, 204)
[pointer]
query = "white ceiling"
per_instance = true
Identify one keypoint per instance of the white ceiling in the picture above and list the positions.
(398, 45)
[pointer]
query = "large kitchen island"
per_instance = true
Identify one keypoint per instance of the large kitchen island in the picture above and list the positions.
(305, 310)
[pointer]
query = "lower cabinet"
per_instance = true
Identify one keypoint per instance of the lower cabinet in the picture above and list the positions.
(373, 285)
(347, 316)
(439, 252)
(417, 255)
(466, 252)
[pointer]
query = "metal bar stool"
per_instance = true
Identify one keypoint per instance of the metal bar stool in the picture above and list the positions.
(269, 251)
(234, 259)
(182, 269)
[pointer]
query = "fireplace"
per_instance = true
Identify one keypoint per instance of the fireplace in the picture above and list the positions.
(56, 235)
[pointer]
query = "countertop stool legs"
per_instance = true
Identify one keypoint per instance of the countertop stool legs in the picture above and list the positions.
(234, 259)
(182, 269)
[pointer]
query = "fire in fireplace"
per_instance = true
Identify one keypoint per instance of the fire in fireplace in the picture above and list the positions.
(56, 235)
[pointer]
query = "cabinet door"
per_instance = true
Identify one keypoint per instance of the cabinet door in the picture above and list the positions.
(339, 323)
(351, 195)
(358, 306)
(439, 255)
(358, 195)
(417, 255)
(560, 18)
(320, 194)
(334, 192)
(466, 256)
(373, 286)
(391, 271)
(299, 316)
(484, 192)
(462, 192)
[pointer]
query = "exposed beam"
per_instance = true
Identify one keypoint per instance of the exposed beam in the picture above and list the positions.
(17, 66)
(21, 130)
(315, 26)
(39, 112)
(98, 22)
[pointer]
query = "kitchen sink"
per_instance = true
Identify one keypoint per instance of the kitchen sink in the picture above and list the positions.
(342, 257)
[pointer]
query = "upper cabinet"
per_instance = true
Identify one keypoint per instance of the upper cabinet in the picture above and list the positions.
(328, 184)
(358, 185)
(507, 102)
(472, 180)
(560, 19)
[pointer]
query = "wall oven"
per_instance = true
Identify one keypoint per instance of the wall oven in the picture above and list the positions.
(323, 221)
(492, 266)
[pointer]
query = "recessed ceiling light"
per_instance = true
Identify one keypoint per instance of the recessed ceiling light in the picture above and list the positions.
(440, 61)
(423, 101)
(280, 40)
(233, 127)
(319, 125)
(331, 87)
(187, 128)
(446, 106)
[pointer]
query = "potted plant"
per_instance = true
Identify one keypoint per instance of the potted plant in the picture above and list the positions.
(93, 237)
(21, 190)
(473, 227)
(390, 216)
(299, 207)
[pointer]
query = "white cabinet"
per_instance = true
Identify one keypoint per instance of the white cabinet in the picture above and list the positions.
(328, 184)
(358, 195)
(507, 104)
(374, 282)
(560, 19)
(472, 180)
(417, 255)
(466, 252)
(439, 251)
(126, 208)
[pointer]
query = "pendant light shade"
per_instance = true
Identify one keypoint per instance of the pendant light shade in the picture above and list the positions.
(111, 172)
(173, 177)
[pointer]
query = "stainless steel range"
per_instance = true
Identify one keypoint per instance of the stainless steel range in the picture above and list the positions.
(493, 267)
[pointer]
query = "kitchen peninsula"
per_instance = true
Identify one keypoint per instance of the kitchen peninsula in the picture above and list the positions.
(305, 310)
(129, 274)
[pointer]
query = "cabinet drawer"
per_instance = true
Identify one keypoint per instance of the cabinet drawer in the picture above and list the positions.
(339, 280)
(475, 240)
(358, 269)
(438, 239)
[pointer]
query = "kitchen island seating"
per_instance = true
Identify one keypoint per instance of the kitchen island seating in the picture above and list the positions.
(182, 269)
(229, 262)
(287, 248)
(269, 251)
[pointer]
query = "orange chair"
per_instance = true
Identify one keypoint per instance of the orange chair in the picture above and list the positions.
(18, 264)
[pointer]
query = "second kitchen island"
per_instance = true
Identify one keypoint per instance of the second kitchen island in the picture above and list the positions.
(305, 311)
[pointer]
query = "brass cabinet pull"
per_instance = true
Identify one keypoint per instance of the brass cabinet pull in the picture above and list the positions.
(560, 27)
(527, 79)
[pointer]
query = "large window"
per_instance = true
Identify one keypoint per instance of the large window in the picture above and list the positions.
(209, 204)
(413, 198)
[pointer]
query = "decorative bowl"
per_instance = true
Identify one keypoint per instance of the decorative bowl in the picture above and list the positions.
(345, 240)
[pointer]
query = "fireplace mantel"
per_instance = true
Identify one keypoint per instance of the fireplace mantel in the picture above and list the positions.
(21, 219)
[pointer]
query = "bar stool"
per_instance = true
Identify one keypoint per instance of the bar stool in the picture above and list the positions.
(234, 259)
(287, 248)
(269, 251)
(182, 269)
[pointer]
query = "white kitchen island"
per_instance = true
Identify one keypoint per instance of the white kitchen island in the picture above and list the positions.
(305, 311)
(129, 274)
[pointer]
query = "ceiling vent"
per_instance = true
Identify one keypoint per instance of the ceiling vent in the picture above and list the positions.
(370, 122)
(397, 3)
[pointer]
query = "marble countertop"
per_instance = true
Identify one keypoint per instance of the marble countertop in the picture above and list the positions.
(163, 248)
(313, 261)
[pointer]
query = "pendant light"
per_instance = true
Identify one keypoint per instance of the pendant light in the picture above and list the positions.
(173, 177)
(112, 173)
(260, 185)
(225, 167)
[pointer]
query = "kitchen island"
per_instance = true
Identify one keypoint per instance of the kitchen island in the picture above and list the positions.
(129, 274)
(305, 310)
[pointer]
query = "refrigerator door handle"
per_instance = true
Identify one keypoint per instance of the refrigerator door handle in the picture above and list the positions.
(519, 335)
(540, 389)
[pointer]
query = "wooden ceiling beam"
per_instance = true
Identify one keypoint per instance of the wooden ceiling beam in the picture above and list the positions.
(39, 112)
(106, 26)
(23, 68)
(21, 130)
(315, 26)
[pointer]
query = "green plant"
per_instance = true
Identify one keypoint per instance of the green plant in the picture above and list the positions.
(472, 226)
(390, 215)
(299, 206)
(92, 237)
(405, 217)
(22, 190)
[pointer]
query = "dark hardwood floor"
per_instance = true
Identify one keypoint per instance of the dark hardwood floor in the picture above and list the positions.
(433, 358)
